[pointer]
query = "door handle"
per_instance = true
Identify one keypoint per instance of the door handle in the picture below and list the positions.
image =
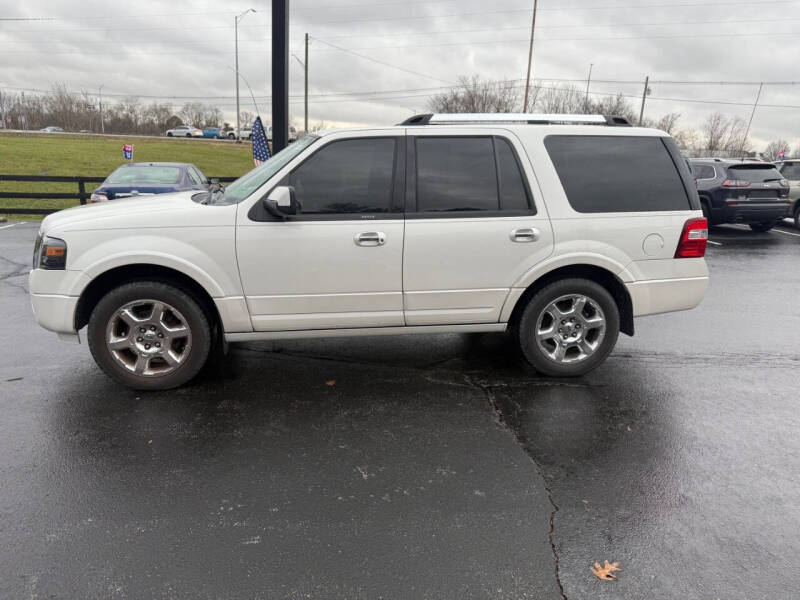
(526, 234)
(370, 238)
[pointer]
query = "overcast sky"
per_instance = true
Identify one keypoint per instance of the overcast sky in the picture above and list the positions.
(174, 50)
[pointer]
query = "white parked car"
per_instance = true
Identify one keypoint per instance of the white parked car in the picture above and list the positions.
(561, 229)
(184, 131)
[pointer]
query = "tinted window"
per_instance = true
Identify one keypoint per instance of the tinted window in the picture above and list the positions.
(617, 174)
(513, 192)
(791, 171)
(457, 173)
(754, 173)
(350, 176)
(703, 171)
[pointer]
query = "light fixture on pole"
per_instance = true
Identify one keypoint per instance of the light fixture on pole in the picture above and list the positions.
(236, 48)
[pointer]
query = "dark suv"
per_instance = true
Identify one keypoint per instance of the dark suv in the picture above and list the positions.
(733, 191)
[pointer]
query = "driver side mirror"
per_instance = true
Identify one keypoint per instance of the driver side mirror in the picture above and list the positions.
(281, 202)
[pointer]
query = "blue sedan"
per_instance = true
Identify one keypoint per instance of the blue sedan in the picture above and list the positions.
(138, 179)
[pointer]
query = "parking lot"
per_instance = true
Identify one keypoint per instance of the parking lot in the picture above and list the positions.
(416, 467)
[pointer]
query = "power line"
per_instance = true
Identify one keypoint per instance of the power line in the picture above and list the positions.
(365, 57)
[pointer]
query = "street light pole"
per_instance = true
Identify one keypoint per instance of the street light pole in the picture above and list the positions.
(644, 99)
(236, 20)
(100, 108)
(588, 82)
(305, 119)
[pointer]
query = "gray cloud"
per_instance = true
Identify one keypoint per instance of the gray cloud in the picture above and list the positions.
(172, 50)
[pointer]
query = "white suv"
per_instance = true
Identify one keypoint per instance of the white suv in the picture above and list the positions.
(559, 228)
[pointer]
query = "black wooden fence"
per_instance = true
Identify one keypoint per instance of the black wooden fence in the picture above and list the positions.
(82, 194)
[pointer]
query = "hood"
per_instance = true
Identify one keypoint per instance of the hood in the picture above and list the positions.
(136, 211)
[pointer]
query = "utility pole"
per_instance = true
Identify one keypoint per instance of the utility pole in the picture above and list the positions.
(280, 75)
(100, 109)
(305, 106)
(236, 51)
(530, 59)
(752, 115)
(588, 82)
(644, 97)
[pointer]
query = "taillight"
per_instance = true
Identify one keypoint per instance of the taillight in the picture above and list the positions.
(693, 239)
(735, 183)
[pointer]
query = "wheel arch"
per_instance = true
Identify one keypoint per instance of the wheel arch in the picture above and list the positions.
(116, 276)
(594, 273)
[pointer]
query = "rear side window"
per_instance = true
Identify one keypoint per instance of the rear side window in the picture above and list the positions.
(603, 174)
(703, 171)
(791, 171)
(468, 174)
(348, 176)
(754, 173)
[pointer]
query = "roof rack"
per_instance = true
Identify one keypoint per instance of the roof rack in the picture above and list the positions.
(515, 118)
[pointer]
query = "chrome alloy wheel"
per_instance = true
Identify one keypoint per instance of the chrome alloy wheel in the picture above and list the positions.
(148, 337)
(570, 329)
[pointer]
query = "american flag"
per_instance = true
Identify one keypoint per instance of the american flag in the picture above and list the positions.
(782, 154)
(127, 151)
(260, 146)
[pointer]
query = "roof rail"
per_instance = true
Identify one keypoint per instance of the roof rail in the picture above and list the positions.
(515, 118)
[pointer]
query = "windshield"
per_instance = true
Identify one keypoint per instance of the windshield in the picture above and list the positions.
(755, 173)
(145, 175)
(250, 182)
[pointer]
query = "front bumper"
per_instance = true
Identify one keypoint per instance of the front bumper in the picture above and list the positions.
(56, 313)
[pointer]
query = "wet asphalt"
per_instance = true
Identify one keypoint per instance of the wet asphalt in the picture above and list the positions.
(416, 467)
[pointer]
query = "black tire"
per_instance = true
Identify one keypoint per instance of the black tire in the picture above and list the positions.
(706, 211)
(797, 215)
(531, 350)
(188, 135)
(231, 136)
(196, 319)
(762, 227)
(169, 134)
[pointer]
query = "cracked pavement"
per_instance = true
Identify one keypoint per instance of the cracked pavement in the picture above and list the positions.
(434, 467)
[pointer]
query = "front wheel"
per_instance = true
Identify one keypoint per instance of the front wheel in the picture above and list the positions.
(797, 216)
(149, 335)
(569, 327)
(762, 227)
(169, 134)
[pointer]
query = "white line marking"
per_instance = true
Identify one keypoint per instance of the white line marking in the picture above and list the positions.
(786, 232)
(713, 242)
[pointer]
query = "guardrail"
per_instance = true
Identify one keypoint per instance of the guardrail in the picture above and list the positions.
(81, 195)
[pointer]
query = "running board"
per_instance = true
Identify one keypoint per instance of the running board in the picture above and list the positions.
(364, 331)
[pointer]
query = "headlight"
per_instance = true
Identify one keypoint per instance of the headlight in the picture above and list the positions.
(50, 253)
(95, 197)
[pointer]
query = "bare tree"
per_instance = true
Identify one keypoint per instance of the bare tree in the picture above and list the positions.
(561, 100)
(716, 129)
(774, 148)
(669, 123)
(476, 95)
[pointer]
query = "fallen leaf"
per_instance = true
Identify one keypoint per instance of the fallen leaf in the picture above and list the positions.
(629, 428)
(606, 572)
(330, 383)
(149, 441)
(586, 502)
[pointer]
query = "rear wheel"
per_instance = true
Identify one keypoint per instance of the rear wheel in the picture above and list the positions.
(169, 134)
(149, 335)
(797, 215)
(569, 327)
(188, 135)
(762, 227)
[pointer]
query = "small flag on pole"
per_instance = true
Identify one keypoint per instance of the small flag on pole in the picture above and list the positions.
(260, 146)
(127, 151)
(782, 154)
